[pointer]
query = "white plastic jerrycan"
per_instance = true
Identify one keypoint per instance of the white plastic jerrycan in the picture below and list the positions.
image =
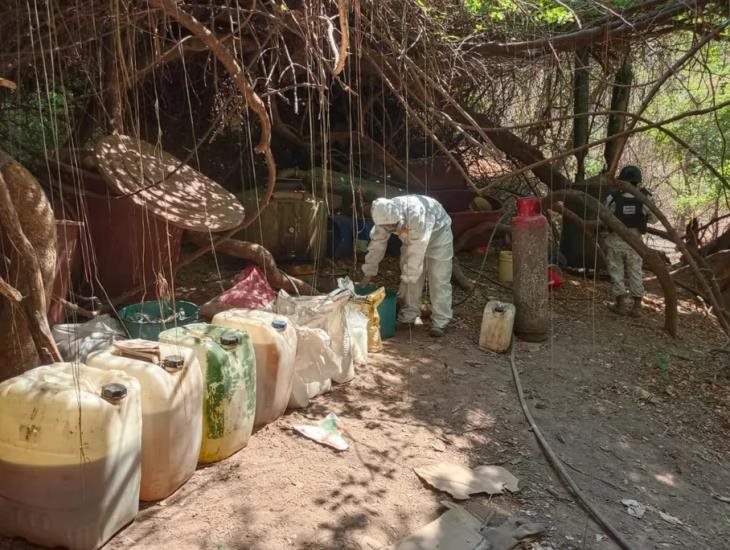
(275, 344)
(226, 357)
(70, 441)
(497, 323)
(172, 405)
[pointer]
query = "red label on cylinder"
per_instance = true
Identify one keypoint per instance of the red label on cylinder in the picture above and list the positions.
(528, 206)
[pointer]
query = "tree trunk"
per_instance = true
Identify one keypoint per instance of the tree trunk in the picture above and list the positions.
(619, 102)
(29, 247)
(581, 100)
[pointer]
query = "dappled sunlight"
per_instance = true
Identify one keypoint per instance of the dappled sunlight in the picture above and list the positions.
(168, 188)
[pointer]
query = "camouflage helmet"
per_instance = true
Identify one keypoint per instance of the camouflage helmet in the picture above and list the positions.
(630, 173)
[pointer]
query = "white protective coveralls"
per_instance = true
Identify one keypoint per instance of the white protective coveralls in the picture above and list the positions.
(424, 228)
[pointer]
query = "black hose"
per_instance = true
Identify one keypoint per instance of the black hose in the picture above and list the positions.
(555, 463)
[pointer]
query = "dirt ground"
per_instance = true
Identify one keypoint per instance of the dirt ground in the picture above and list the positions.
(631, 412)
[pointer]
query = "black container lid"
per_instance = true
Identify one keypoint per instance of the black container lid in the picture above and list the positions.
(173, 363)
(114, 392)
(230, 339)
(279, 324)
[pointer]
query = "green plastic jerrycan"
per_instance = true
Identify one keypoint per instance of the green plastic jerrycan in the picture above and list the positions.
(228, 365)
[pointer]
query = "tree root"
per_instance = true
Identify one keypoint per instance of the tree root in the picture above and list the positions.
(257, 254)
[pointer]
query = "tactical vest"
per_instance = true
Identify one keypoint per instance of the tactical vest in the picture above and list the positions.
(630, 211)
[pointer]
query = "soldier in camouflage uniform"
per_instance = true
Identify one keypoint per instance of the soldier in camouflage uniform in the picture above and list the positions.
(624, 261)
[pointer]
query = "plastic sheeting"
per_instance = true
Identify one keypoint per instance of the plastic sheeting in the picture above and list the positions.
(314, 366)
(76, 341)
(368, 305)
(357, 322)
(326, 312)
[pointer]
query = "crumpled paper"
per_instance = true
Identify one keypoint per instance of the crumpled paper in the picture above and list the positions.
(634, 508)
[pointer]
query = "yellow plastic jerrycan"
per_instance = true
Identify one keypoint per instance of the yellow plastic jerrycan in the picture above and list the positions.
(172, 408)
(70, 439)
(275, 345)
(228, 364)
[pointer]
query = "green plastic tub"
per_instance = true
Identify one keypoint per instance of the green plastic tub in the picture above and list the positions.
(149, 328)
(386, 309)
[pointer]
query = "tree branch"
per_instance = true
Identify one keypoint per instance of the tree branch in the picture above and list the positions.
(548, 161)
(9, 291)
(221, 53)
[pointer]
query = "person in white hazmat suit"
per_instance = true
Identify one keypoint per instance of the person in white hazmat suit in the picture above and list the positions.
(424, 228)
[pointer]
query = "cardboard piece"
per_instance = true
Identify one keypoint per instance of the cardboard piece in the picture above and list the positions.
(461, 482)
(457, 529)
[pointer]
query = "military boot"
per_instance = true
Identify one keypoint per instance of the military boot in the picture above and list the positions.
(619, 306)
(436, 332)
(636, 307)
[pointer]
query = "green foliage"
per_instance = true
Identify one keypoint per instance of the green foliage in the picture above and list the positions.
(546, 12)
(695, 186)
(33, 124)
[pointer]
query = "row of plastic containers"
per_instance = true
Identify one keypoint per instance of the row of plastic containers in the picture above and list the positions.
(81, 444)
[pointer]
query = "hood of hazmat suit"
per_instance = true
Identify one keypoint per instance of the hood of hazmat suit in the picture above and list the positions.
(385, 212)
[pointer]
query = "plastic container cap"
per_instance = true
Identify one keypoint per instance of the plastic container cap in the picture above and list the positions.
(114, 392)
(278, 324)
(528, 206)
(230, 339)
(173, 363)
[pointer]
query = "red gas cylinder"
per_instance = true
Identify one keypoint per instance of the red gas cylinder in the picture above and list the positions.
(530, 271)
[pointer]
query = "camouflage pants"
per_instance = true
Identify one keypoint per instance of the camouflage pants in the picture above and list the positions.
(623, 261)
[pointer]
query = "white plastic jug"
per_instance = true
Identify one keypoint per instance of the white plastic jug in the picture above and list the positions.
(172, 408)
(70, 438)
(497, 323)
(275, 344)
(228, 364)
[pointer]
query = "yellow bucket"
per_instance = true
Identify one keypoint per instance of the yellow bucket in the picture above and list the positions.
(505, 266)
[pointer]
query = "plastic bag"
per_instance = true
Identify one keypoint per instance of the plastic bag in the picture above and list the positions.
(326, 432)
(357, 321)
(326, 312)
(368, 304)
(314, 366)
(250, 290)
(76, 341)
